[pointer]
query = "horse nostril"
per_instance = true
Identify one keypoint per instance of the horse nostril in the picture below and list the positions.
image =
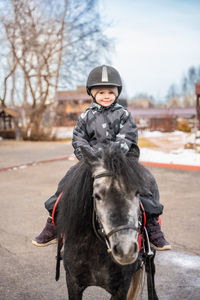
(117, 250)
(135, 246)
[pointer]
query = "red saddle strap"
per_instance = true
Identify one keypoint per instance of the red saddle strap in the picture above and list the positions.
(144, 215)
(139, 242)
(54, 208)
(144, 224)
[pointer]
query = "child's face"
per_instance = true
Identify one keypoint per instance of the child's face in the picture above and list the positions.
(105, 97)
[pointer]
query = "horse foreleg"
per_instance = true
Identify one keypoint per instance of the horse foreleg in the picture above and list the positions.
(75, 292)
(122, 292)
(150, 269)
(59, 257)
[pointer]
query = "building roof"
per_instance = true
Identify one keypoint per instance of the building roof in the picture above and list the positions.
(78, 94)
(163, 112)
(10, 112)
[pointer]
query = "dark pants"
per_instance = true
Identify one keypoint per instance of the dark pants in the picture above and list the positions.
(149, 196)
(49, 204)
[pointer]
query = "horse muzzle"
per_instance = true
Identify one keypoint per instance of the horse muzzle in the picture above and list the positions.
(124, 249)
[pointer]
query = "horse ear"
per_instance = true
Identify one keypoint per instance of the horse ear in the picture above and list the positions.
(89, 156)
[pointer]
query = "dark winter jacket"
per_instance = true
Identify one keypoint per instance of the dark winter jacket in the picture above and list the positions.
(114, 124)
(99, 125)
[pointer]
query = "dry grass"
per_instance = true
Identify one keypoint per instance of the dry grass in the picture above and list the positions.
(68, 139)
(145, 143)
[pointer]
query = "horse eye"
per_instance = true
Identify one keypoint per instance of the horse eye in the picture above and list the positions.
(97, 197)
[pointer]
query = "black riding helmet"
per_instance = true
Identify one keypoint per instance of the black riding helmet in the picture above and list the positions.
(104, 76)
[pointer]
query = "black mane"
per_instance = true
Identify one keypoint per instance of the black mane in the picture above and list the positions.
(76, 205)
(125, 167)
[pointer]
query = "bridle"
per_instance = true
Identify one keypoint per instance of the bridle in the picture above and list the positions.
(100, 232)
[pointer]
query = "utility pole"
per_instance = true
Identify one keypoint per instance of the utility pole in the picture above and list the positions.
(197, 135)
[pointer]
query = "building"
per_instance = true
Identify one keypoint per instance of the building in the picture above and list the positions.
(8, 123)
(70, 104)
(162, 119)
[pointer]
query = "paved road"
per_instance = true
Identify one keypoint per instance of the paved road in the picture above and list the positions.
(27, 272)
(17, 152)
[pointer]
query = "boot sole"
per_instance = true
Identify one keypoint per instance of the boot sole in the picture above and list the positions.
(54, 241)
(165, 248)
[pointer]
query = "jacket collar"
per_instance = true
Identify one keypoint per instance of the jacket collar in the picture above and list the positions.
(99, 107)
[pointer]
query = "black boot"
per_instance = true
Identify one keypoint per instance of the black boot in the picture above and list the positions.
(48, 235)
(156, 236)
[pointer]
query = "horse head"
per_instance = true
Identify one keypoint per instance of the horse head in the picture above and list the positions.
(116, 203)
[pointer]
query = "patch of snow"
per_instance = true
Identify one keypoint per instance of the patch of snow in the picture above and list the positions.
(177, 151)
(175, 135)
(190, 138)
(173, 138)
(180, 259)
(62, 132)
(177, 132)
(152, 133)
(23, 167)
(179, 156)
(72, 157)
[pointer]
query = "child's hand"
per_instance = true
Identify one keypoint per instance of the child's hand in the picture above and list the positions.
(124, 147)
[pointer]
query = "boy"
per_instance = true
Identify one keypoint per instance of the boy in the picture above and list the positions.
(106, 121)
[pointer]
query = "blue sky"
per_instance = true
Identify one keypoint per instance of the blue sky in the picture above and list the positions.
(156, 41)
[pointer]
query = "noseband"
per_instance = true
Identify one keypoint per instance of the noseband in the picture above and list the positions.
(100, 232)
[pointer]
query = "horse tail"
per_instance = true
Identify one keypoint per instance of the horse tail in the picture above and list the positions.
(136, 284)
(58, 257)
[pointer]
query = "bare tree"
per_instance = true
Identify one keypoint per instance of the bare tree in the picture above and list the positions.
(52, 45)
(188, 86)
(5, 84)
(184, 94)
(142, 100)
(172, 91)
(189, 80)
(173, 97)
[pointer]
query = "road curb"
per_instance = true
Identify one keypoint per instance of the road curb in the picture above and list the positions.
(171, 166)
(21, 166)
(146, 163)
